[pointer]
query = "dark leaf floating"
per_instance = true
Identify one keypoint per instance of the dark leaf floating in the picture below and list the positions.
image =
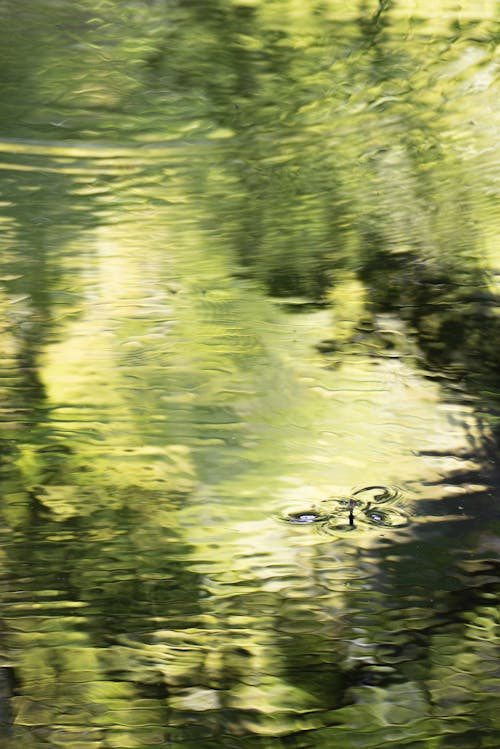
(374, 506)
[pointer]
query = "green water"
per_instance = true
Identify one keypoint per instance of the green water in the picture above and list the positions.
(249, 384)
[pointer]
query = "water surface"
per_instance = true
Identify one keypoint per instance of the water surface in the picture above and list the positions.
(249, 377)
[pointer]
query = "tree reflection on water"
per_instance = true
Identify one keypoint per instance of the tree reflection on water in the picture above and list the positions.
(248, 274)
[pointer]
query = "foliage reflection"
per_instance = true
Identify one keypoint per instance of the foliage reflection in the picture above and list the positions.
(248, 271)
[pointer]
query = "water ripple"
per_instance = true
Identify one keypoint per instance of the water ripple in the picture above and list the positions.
(373, 506)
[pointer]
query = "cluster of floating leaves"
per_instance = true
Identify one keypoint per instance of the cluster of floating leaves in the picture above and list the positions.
(371, 505)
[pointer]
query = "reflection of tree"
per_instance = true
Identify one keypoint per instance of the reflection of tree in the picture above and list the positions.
(95, 558)
(435, 635)
(314, 189)
(328, 167)
(409, 649)
(97, 561)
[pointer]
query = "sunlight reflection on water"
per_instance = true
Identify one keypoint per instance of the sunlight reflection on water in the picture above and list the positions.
(248, 341)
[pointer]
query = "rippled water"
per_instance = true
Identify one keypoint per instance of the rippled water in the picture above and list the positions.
(346, 512)
(249, 377)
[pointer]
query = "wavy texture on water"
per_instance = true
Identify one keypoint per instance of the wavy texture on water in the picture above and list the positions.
(368, 506)
(249, 375)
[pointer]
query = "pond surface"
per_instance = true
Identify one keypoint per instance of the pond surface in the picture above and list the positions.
(249, 385)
